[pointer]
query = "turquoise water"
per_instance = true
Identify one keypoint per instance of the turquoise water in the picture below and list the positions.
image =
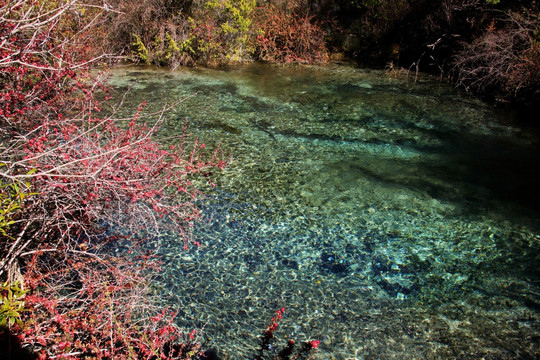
(392, 218)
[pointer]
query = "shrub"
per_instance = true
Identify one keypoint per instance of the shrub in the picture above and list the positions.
(286, 34)
(97, 182)
(84, 167)
(504, 61)
(217, 32)
(99, 307)
(209, 32)
(143, 21)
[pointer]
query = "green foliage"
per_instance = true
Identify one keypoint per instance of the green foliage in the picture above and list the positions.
(172, 48)
(233, 20)
(363, 3)
(8, 207)
(12, 304)
(217, 32)
(140, 50)
(12, 196)
(163, 51)
(236, 14)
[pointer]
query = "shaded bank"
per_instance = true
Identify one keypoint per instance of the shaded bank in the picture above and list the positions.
(487, 47)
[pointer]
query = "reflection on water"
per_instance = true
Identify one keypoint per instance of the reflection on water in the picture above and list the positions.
(392, 219)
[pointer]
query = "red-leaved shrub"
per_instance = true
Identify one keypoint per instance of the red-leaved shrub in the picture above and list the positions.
(84, 184)
(285, 34)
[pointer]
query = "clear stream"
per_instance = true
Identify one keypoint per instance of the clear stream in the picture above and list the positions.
(392, 218)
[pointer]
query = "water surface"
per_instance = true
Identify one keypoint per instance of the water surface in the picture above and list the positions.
(392, 218)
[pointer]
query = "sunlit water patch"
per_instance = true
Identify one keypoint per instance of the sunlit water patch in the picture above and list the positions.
(390, 217)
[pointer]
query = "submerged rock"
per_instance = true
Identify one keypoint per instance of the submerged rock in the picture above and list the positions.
(332, 263)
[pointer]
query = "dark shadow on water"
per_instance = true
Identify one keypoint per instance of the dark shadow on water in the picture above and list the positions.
(502, 171)
(210, 354)
(474, 173)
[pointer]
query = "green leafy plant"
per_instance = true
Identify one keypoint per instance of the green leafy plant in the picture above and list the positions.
(7, 208)
(12, 196)
(140, 50)
(12, 304)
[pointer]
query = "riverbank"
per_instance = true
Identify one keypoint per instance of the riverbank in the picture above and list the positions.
(489, 48)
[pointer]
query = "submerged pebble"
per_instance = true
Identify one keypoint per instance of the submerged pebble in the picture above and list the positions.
(366, 205)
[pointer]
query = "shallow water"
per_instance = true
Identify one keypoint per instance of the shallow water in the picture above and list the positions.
(392, 218)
